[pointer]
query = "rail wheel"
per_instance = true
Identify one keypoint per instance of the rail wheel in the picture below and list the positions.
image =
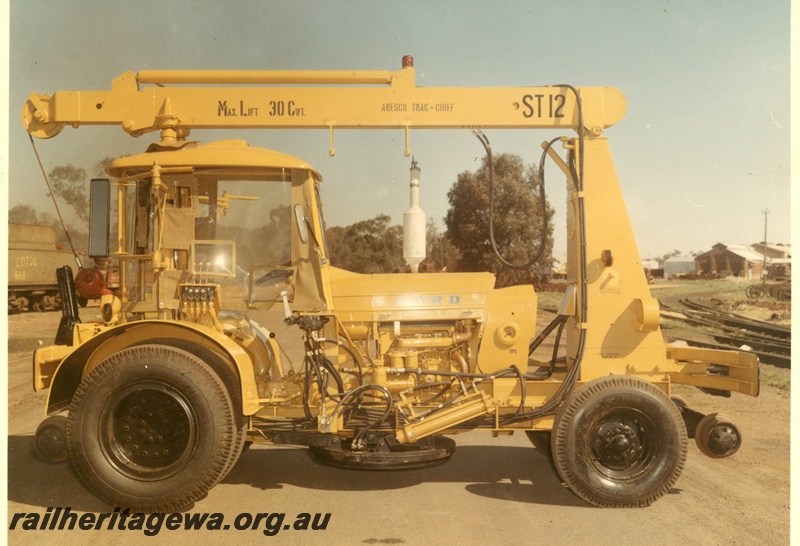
(619, 441)
(152, 429)
(679, 401)
(50, 440)
(717, 437)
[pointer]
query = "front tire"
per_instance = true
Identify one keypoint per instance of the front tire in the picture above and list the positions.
(151, 428)
(619, 441)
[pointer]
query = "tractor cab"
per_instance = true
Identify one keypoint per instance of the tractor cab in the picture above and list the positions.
(242, 218)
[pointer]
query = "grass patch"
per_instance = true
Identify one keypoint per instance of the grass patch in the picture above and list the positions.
(779, 379)
(549, 300)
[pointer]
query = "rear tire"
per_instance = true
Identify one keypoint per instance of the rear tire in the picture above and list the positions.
(541, 440)
(152, 429)
(619, 441)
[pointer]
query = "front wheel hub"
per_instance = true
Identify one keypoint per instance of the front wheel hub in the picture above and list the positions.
(149, 431)
(617, 445)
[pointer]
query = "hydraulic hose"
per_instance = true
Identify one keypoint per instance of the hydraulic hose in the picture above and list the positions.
(543, 237)
(551, 406)
(352, 355)
(555, 323)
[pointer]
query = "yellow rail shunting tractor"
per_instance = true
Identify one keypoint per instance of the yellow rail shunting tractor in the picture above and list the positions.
(162, 394)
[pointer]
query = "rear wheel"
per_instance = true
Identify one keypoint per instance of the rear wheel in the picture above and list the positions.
(152, 429)
(541, 440)
(619, 442)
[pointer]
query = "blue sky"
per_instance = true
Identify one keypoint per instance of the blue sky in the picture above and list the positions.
(704, 147)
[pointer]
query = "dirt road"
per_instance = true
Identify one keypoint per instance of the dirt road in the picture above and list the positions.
(493, 490)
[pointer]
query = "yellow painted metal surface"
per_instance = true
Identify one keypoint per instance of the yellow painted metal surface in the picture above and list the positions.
(97, 342)
(218, 99)
(225, 153)
(741, 369)
(361, 298)
(615, 340)
(509, 328)
(405, 327)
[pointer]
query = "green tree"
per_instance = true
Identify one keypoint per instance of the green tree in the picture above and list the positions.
(26, 214)
(369, 246)
(101, 166)
(517, 219)
(70, 185)
(440, 253)
(667, 256)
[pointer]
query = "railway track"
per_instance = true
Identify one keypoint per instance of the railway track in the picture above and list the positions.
(718, 329)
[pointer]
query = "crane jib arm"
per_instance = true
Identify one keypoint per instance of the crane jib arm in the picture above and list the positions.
(184, 100)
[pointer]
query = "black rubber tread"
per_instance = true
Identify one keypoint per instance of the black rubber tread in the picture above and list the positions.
(232, 386)
(201, 388)
(238, 449)
(573, 455)
(542, 441)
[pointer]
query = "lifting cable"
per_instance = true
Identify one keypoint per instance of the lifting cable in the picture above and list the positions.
(58, 210)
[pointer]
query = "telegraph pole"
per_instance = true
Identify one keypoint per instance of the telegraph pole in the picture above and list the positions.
(765, 212)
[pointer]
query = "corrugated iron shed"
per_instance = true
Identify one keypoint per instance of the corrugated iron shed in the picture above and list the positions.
(737, 260)
(679, 265)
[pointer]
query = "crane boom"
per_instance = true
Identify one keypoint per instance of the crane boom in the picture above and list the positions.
(181, 100)
(209, 235)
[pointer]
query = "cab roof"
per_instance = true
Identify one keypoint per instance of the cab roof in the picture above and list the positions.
(235, 154)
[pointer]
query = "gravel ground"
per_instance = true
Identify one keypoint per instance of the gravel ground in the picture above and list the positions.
(493, 490)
